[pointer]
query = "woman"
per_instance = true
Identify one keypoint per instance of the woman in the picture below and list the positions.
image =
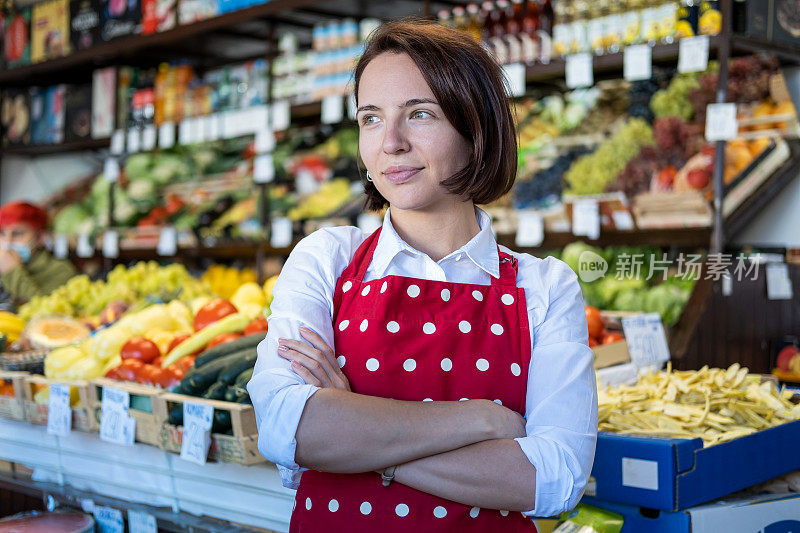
(456, 369)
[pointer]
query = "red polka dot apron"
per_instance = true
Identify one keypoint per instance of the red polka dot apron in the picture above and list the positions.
(418, 340)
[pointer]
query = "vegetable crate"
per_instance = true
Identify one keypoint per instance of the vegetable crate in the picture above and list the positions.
(12, 395)
(241, 447)
(37, 393)
(143, 407)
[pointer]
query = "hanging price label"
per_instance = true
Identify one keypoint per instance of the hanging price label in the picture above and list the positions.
(281, 234)
(166, 135)
(263, 168)
(148, 138)
(637, 62)
(84, 249)
(117, 142)
(109, 519)
(727, 285)
(116, 425)
(59, 415)
(111, 169)
(197, 419)
(134, 140)
(369, 222)
(515, 76)
(213, 127)
(530, 230)
(281, 115)
(693, 54)
(61, 247)
(167, 242)
(111, 244)
(721, 124)
(352, 108)
(141, 522)
(623, 221)
(197, 130)
(586, 218)
(647, 342)
(264, 141)
(257, 118)
(332, 109)
(779, 285)
(185, 133)
(578, 71)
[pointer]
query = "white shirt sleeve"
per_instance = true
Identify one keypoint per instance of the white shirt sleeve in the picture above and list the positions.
(561, 407)
(303, 296)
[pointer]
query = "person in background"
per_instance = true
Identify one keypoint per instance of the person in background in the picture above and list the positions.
(26, 268)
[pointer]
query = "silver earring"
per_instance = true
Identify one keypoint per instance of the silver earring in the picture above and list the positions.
(369, 178)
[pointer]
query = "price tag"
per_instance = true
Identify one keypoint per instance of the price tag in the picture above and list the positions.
(213, 127)
(117, 142)
(141, 522)
(148, 138)
(579, 71)
(167, 241)
(281, 235)
(647, 342)
(369, 222)
(166, 135)
(281, 115)
(637, 62)
(197, 132)
(332, 109)
(693, 54)
(111, 244)
(264, 141)
(59, 415)
(109, 519)
(111, 169)
(530, 229)
(84, 248)
(134, 140)
(515, 75)
(352, 108)
(229, 125)
(116, 425)
(61, 247)
(196, 432)
(257, 118)
(185, 133)
(721, 122)
(623, 220)
(263, 168)
(727, 285)
(586, 218)
(779, 286)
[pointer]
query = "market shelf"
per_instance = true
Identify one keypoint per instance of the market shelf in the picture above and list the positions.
(786, 52)
(680, 237)
(43, 149)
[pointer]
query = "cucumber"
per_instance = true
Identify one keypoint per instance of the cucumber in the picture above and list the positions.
(243, 397)
(216, 391)
(244, 378)
(176, 415)
(222, 422)
(231, 393)
(236, 367)
(222, 350)
(200, 379)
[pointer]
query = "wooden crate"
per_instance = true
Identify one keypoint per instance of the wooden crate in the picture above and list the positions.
(13, 407)
(143, 407)
(240, 448)
(36, 413)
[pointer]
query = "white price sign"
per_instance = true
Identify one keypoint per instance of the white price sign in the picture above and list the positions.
(111, 244)
(515, 75)
(116, 425)
(84, 249)
(332, 109)
(61, 247)
(779, 285)
(134, 140)
(213, 127)
(647, 342)
(530, 229)
(637, 62)
(141, 522)
(264, 141)
(197, 130)
(167, 241)
(185, 133)
(693, 54)
(166, 135)
(586, 218)
(117, 142)
(352, 108)
(257, 118)
(281, 115)
(148, 138)
(263, 168)
(111, 169)
(721, 122)
(369, 222)
(578, 71)
(59, 415)
(281, 234)
(109, 519)
(197, 418)
(623, 221)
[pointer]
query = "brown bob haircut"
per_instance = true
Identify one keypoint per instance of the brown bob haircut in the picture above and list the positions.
(470, 88)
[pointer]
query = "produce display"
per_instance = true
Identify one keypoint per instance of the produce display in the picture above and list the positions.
(598, 335)
(788, 364)
(716, 405)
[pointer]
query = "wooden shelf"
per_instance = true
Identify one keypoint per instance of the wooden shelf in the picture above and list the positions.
(786, 52)
(42, 149)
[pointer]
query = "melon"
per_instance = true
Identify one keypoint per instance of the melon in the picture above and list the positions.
(55, 332)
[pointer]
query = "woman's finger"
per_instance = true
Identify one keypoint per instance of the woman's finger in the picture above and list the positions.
(315, 367)
(320, 344)
(304, 373)
(327, 361)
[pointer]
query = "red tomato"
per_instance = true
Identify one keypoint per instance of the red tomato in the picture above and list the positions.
(113, 373)
(176, 341)
(213, 311)
(785, 357)
(164, 378)
(130, 370)
(594, 321)
(140, 349)
(176, 371)
(592, 342)
(611, 338)
(157, 361)
(186, 363)
(259, 325)
(222, 339)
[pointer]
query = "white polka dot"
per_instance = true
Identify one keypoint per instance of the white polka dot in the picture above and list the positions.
(413, 291)
(427, 400)
(463, 399)
(504, 513)
(365, 508)
(474, 512)
(429, 328)
(477, 295)
(365, 291)
(409, 365)
(364, 324)
(440, 512)
(347, 286)
(515, 369)
(308, 504)
(372, 364)
(446, 295)
(498, 402)
(447, 364)
(507, 299)
(497, 329)
(401, 510)
(482, 364)
(383, 289)
(333, 506)
(393, 327)
(464, 326)
(343, 325)
(341, 360)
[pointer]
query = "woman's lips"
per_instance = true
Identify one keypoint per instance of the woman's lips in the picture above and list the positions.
(399, 175)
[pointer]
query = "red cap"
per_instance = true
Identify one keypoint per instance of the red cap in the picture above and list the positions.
(23, 212)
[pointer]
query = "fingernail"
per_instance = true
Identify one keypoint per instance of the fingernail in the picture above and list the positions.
(282, 348)
(303, 328)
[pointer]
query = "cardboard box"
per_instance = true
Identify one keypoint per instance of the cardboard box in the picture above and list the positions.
(674, 474)
(84, 25)
(15, 116)
(13, 407)
(47, 114)
(17, 38)
(78, 113)
(36, 413)
(143, 407)
(607, 355)
(767, 513)
(104, 92)
(120, 18)
(50, 30)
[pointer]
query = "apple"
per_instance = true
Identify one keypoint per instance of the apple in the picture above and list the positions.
(698, 178)
(666, 177)
(785, 356)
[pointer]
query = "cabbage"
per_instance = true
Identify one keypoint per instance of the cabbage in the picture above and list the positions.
(138, 166)
(572, 253)
(168, 168)
(69, 219)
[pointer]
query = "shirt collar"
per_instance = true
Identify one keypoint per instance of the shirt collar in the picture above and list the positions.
(481, 249)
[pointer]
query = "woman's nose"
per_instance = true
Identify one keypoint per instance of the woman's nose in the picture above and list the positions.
(394, 138)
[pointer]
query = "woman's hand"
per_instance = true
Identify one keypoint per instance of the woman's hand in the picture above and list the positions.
(9, 259)
(501, 422)
(316, 364)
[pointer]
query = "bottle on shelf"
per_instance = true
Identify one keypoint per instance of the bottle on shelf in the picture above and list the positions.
(496, 28)
(529, 34)
(459, 18)
(513, 28)
(632, 22)
(596, 27)
(613, 25)
(650, 22)
(580, 27)
(709, 21)
(546, 23)
(668, 12)
(474, 22)
(562, 28)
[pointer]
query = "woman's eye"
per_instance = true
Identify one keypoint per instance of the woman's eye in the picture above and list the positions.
(420, 114)
(369, 119)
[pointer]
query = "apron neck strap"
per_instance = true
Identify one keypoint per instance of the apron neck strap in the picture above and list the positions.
(508, 270)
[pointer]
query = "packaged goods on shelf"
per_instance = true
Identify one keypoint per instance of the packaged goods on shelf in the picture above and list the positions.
(84, 23)
(158, 15)
(47, 114)
(78, 112)
(17, 38)
(16, 117)
(120, 19)
(50, 33)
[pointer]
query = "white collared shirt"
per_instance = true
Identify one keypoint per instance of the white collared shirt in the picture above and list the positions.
(561, 401)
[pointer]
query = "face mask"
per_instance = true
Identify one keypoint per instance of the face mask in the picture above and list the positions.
(23, 250)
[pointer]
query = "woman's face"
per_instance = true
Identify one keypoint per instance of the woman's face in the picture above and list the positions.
(406, 143)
